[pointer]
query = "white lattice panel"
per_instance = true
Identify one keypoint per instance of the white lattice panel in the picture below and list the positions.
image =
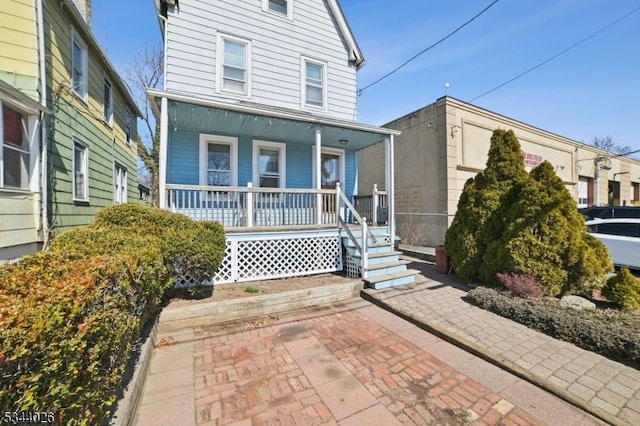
(224, 274)
(351, 266)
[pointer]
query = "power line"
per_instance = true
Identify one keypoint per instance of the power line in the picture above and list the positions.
(592, 35)
(427, 48)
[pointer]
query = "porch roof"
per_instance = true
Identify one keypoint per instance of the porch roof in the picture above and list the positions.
(265, 122)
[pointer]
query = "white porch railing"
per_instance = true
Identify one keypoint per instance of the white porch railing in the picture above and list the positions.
(373, 206)
(236, 207)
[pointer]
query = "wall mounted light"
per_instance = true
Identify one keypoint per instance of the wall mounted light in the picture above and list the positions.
(343, 141)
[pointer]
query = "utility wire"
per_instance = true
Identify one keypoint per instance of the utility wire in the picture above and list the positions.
(592, 35)
(427, 48)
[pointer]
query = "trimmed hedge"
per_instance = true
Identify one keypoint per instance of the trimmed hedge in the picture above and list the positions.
(194, 249)
(623, 289)
(611, 333)
(70, 316)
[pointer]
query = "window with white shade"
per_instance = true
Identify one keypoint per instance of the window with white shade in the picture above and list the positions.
(80, 171)
(233, 65)
(79, 67)
(119, 183)
(269, 162)
(218, 160)
(15, 156)
(314, 84)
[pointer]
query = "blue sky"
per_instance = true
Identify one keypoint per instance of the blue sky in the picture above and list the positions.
(590, 91)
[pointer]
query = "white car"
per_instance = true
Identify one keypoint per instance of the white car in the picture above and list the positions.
(621, 237)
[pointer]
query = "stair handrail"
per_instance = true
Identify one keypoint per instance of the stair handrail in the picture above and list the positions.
(361, 221)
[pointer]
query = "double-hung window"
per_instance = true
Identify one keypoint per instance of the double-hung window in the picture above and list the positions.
(269, 162)
(128, 127)
(218, 157)
(107, 110)
(233, 65)
(280, 7)
(314, 84)
(80, 171)
(15, 158)
(119, 183)
(79, 66)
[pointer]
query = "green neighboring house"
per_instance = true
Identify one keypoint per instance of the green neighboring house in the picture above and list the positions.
(68, 124)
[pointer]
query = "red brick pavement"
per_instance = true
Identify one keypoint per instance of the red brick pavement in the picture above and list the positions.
(249, 377)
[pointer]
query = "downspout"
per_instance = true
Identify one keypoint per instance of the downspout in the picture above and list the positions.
(44, 187)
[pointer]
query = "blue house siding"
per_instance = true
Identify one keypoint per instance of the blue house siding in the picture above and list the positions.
(183, 163)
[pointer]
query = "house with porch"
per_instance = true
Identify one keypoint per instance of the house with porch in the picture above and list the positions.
(258, 131)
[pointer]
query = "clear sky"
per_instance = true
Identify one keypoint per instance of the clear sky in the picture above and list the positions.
(592, 90)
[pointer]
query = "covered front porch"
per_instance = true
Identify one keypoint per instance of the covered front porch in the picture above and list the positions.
(275, 179)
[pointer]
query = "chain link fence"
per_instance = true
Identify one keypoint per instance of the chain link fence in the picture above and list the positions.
(422, 229)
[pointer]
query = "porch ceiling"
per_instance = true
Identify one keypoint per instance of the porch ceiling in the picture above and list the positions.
(273, 124)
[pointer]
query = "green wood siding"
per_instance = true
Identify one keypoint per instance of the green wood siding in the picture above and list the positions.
(18, 218)
(73, 117)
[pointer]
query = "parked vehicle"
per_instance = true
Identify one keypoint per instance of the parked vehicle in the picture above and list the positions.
(621, 237)
(610, 212)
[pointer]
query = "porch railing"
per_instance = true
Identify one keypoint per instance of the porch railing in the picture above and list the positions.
(373, 206)
(248, 206)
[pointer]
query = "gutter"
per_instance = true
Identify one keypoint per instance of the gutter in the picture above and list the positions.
(44, 146)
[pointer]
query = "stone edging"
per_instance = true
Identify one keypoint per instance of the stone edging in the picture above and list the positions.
(498, 361)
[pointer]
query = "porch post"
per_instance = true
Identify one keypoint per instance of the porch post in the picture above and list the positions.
(162, 160)
(374, 204)
(318, 163)
(389, 184)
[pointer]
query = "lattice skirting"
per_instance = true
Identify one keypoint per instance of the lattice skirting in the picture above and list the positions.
(268, 256)
(351, 266)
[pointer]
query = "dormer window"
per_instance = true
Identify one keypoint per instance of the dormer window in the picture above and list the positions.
(280, 7)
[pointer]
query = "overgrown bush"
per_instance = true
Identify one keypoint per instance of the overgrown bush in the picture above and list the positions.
(623, 289)
(613, 334)
(521, 285)
(67, 327)
(192, 248)
(527, 224)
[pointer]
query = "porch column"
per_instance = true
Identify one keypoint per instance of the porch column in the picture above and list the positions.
(162, 160)
(389, 182)
(317, 160)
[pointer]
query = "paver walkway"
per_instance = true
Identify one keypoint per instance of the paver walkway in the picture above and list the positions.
(609, 388)
(349, 364)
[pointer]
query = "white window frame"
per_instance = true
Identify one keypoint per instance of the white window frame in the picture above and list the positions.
(288, 15)
(81, 92)
(107, 110)
(205, 140)
(85, 167)
(220, 65)
(282, 160)
(333, 151)
(303, 84)
(30, 124)
(120, 183)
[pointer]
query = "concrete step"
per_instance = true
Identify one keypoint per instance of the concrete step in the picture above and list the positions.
(392, 280)
(386, 268)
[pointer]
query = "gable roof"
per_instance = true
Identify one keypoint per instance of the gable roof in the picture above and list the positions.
(355, 54)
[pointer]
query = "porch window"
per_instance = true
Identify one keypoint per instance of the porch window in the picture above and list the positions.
(218, 160)
(269, 164)
(119, 183)
(233, 65)
(80, 171)
(314, 84)
(14, 160)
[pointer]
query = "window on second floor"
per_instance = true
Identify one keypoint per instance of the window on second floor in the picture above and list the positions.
(282, 7)
(107, 113)
(79, 66)
(14, 156)
(128, 127)
(233, 65)
(314, 84)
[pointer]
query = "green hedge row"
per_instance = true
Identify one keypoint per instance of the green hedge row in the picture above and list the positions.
(614, 334)
(70, 316)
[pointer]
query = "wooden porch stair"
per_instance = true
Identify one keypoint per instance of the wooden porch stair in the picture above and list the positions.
(385, 269)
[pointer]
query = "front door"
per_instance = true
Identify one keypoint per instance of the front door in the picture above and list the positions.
(330, 173)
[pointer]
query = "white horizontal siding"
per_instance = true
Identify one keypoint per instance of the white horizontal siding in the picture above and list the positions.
(277, 45)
